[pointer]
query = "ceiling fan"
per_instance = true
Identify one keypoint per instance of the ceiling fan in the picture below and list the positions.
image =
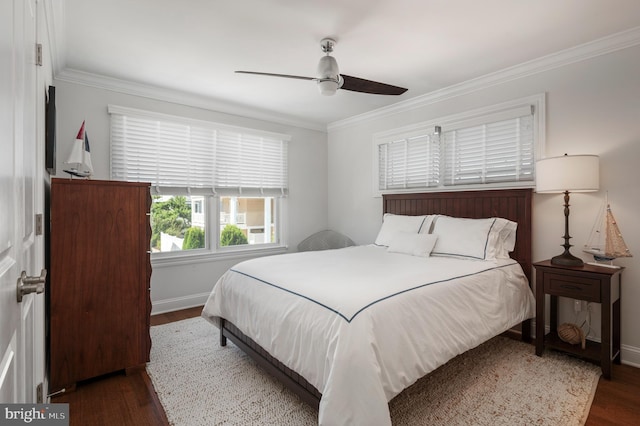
(330, 80)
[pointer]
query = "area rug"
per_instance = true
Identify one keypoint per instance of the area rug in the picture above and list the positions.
(501, 382)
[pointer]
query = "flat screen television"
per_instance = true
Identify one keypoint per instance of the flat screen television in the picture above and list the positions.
(50, 131)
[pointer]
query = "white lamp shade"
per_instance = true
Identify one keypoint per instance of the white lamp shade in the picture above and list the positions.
(573, 173)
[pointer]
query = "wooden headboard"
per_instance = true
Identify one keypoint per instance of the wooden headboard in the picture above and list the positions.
(512, 204)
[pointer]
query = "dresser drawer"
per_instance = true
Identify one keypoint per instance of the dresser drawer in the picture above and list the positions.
(575, 287)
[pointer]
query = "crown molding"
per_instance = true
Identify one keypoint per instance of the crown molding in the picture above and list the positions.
(602, 46)
(70, 75)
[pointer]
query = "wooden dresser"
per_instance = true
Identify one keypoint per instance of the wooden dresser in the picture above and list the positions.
(100, 272)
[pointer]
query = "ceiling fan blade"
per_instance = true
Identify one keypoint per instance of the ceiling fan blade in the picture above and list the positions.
(299, 77)
(356, 84)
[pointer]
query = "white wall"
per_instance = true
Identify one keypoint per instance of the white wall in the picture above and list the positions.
(593, 107)
(188, 284)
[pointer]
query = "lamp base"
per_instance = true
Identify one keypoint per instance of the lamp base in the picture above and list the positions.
(566, 259)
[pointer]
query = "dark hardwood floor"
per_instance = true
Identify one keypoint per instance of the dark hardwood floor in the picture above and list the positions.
(120, 399)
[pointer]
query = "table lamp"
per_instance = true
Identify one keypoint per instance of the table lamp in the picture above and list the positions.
(566, 174)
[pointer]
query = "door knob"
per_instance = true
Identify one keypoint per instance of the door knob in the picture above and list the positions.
(28, 285)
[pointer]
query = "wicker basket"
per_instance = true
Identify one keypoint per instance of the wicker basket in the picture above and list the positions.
(571, 334)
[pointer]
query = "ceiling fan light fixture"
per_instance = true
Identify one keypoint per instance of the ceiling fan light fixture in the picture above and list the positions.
(327, 68)
(328, 87)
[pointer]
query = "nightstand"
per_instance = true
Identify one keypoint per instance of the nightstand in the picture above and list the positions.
(591, 283)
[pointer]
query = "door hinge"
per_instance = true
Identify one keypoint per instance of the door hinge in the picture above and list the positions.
(39, 54)
(40, 393)
(39, 223)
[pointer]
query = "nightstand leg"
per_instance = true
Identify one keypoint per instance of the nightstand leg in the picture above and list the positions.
(606, 347)
(553, 313)
(616, 331)
(616, 320)
(539, 315)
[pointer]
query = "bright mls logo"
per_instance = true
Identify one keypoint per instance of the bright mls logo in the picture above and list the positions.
(34, 414)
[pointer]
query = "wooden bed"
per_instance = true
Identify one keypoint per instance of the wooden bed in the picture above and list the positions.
(512, 204)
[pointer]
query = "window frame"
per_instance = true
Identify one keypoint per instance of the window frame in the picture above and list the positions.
(212, 194)
(278, 202)
(483, 115)
(213, 250)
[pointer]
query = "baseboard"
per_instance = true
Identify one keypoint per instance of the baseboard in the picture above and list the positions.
(178, 303)
(630, 355)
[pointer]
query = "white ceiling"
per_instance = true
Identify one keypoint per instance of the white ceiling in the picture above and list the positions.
(194, 46)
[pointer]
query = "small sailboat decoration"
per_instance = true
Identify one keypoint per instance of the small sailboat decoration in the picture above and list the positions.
(79, 160)
(605, 242)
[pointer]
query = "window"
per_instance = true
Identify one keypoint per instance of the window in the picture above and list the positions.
(176, 223)
(491, 147)
(247, 220)
(201, 174)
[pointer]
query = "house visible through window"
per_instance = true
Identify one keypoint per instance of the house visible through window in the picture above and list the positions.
(201, 174)
(247, 220)
(488, 148)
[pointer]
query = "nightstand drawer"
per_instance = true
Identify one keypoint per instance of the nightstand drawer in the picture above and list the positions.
(572, 286)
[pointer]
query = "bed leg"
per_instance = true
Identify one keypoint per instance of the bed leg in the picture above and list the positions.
(526, 331)
(223, 339)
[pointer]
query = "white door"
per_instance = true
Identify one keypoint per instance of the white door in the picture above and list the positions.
(21, 181)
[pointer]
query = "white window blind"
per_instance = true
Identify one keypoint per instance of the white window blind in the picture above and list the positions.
(500, 151)
(490, 147)
(176, 153)
(247, 161)
(410, 162)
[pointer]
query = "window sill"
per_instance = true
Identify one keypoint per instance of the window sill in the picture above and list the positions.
(206, 257)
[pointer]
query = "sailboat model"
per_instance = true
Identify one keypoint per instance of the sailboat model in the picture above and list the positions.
(605, 242)
(79, 160)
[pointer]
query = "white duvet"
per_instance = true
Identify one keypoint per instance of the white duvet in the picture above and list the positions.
(362, 324)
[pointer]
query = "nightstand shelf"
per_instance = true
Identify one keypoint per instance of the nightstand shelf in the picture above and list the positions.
(589, 283)
(591, 352)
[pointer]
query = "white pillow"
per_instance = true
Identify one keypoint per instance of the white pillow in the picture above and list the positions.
(412, 244)
(507, 237)
(466, 238)
(393, 223)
